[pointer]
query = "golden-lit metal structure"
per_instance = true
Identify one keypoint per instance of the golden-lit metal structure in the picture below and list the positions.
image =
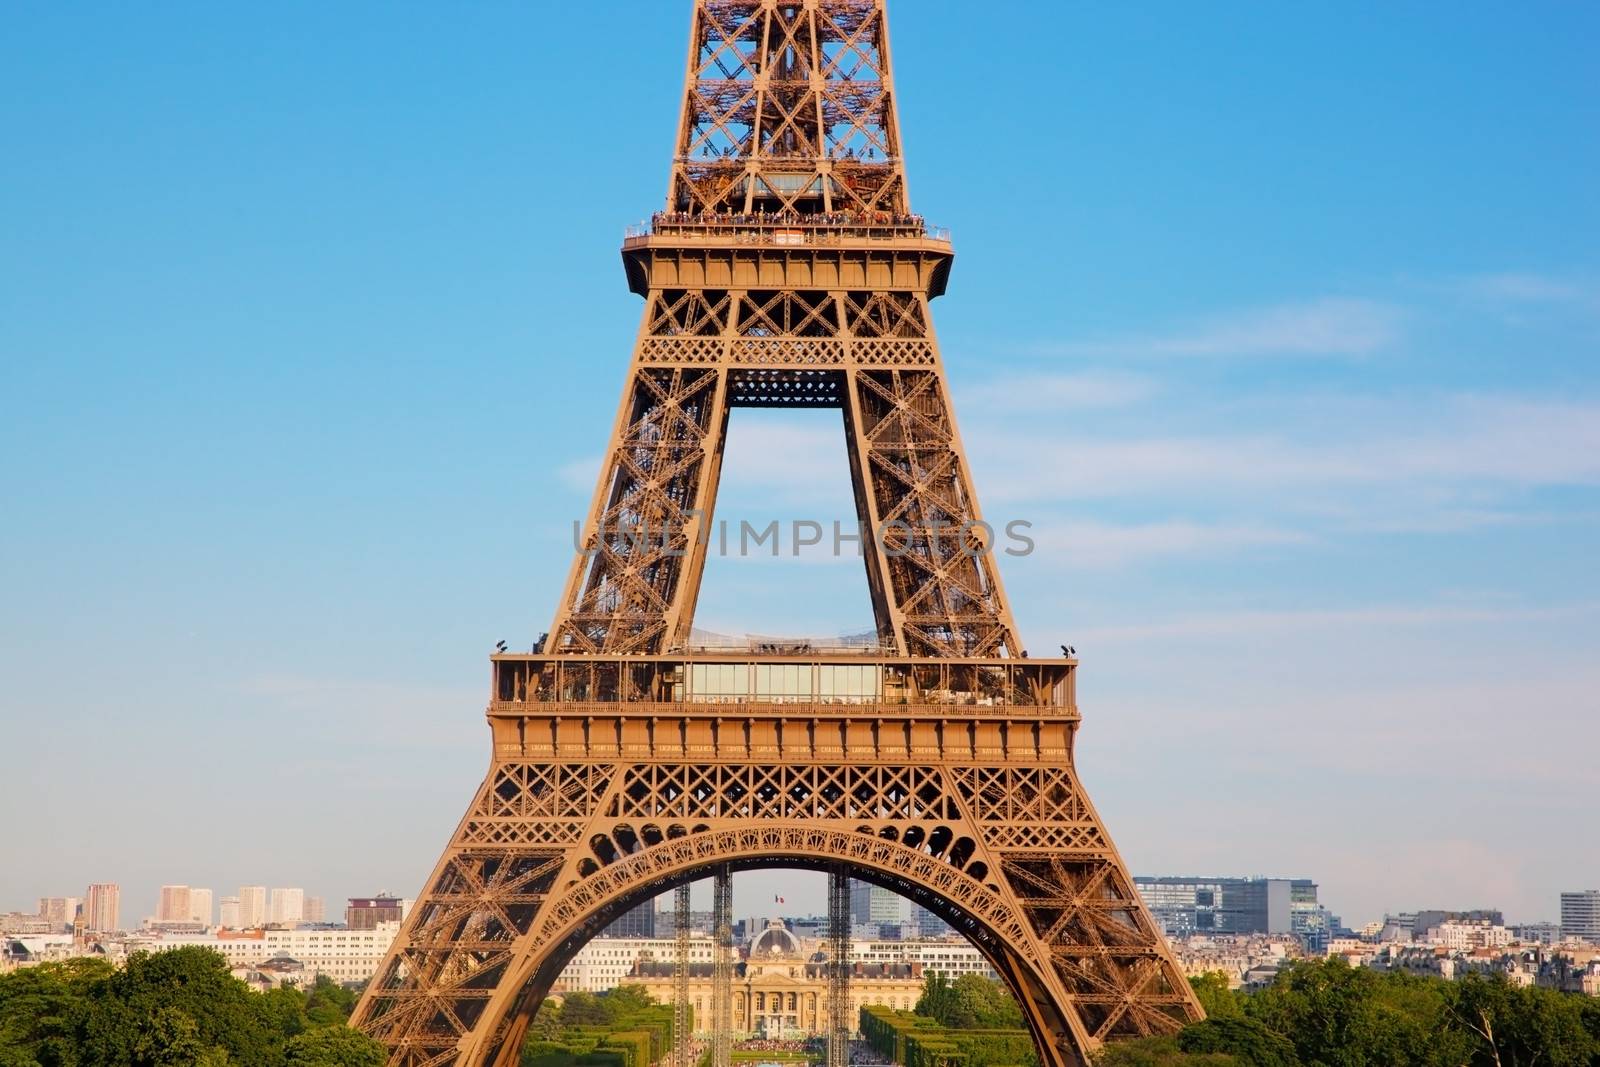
(787, 270)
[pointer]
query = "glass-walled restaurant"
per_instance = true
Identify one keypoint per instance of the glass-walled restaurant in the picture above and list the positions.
(584, 679)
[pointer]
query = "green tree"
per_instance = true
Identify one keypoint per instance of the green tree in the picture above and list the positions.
(16, 1056)
(1591, 1018)
(971, 1002)
(334, 1046)
(283, 1010)
(583, 1009)
(1159, 1052)
(1340, 1016)
(937, 997)
(1248, 1041)
(143, 1012)
(328, 1003)
(1511, 1027)
(546, 1024)
(37, 1011)
(626, 1000)
(1215, 996)
(171, 1038)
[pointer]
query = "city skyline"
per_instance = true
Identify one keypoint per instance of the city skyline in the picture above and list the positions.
(1317, 411)
(803, 893)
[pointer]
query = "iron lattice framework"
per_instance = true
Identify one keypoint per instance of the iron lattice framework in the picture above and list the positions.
(786, 270)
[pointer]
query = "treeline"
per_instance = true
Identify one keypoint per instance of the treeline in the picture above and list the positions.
(1328, 1014)
(971, 1022)
(971, 1002)
(172, 1009)
(621, 1028)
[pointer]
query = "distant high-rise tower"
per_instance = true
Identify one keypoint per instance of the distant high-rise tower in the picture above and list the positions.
(926, 924)
(1580, 915)
(102, 908)
(873, 906)
(230, 914)
(639, 922)
(365, 913)
(288, 906)
(174, 905)
(252, 906)
(200, 906)
(316, 910)
(59, 912)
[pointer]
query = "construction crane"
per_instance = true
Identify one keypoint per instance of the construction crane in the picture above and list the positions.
(840, 1025)
(722, 970)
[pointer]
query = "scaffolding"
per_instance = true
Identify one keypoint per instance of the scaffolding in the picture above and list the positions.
(840, 1025)
(682, 1019)
(722, 971)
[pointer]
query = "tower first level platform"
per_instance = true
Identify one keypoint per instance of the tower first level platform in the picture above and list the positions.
(800, 706)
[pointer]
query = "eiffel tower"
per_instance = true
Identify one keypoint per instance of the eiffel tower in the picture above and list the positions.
(786, 270)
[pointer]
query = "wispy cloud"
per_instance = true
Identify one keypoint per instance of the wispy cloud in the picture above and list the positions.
(578, 475)
(1496, 442)
(1514, 288)
(1056, 392)
(1229, 624)
(1331, 326)
(1072, 545)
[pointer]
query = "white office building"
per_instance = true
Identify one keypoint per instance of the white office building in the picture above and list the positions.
(605, 962)
(200, 906)
(952, 957)
(288, 906)
(872, 906)
(346, 956)
(1580, 915)
(252, 906)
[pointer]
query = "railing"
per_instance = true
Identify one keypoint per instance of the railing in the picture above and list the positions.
(768, 708)
(789, 229)
(831, 682)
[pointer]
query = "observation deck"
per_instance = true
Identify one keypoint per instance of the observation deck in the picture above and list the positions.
(716, 706)
(787, 229)
(788, 249)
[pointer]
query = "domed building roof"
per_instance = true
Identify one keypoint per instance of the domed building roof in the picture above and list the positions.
(775, 940)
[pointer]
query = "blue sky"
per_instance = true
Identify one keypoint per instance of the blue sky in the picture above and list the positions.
(1279, 322)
